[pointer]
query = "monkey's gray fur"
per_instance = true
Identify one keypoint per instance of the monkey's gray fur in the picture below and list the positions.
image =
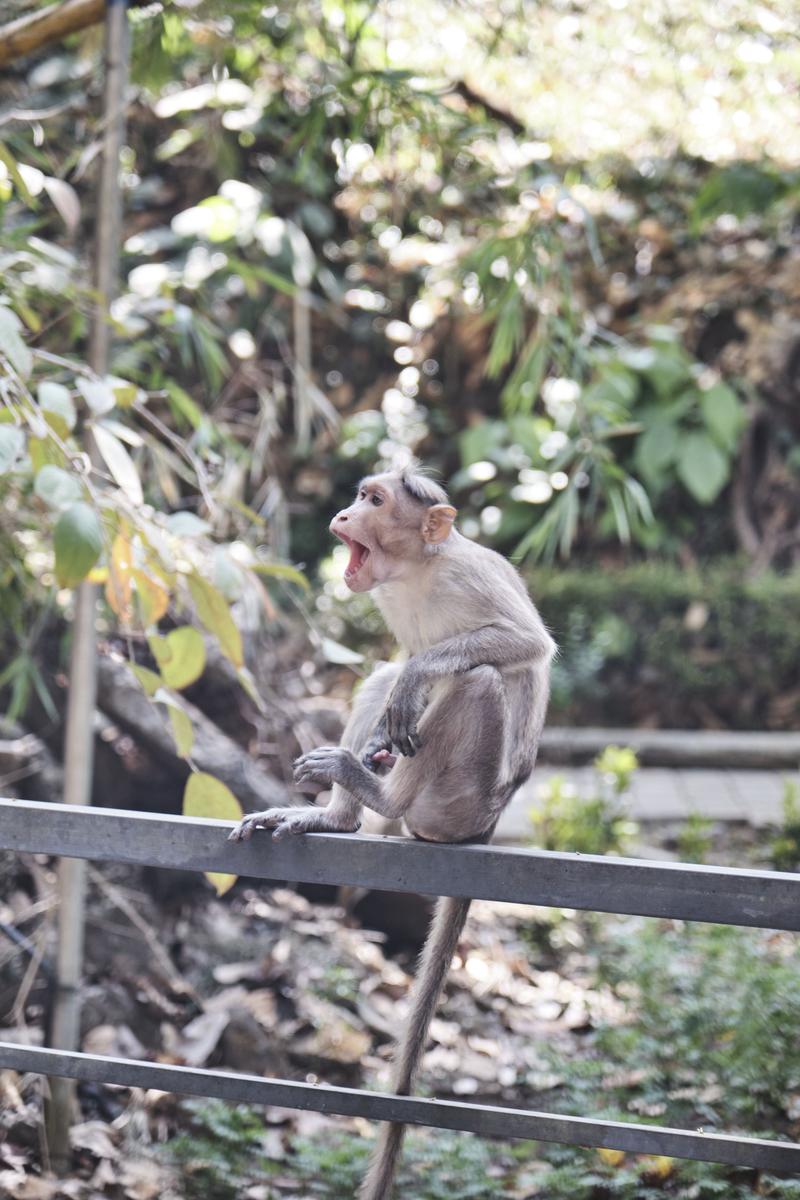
(464, 712)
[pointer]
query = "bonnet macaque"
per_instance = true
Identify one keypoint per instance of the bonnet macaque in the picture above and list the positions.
(440, 740)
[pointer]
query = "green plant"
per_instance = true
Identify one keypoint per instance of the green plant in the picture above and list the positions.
(223, 1152)
(716, 1021)
(785, 848)
(695, 838)
(589, 824)
(435, 1166)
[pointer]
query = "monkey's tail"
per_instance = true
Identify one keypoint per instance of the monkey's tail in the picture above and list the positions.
(448, 921)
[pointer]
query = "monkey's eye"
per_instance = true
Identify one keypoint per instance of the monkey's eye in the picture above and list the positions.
(377, 500)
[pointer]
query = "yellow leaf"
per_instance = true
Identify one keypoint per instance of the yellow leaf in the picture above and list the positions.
(213, 611)
(97, 575)
(149, 680)
(118, 585)
(659, 1166)
(206, 796)
(152, 597)
(220, 882)
(612, 1158)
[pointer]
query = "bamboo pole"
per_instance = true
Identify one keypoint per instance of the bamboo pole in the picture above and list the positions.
(79, 741)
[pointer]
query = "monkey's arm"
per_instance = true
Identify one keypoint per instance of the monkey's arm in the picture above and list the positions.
(500, 644)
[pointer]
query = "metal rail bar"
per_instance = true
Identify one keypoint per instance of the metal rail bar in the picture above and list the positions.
(486, 1120)
(736, 897)
(766, 899)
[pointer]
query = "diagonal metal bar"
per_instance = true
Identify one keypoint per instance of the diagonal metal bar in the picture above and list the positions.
(486, 1120)
(768, 899)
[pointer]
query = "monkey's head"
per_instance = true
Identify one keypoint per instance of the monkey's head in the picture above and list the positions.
(395, 520)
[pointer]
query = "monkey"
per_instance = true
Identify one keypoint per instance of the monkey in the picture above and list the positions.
(441, 740)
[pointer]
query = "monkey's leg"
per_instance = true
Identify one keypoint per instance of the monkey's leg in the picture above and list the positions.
(361, 735)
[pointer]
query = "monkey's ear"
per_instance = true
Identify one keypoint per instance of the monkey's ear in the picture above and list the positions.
(437, 523)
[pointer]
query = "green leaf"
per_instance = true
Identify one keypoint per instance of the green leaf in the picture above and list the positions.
(7, 158)
(78, 541)
(657, 448)
(227, 574)
(212, 609)
(11, 343)
(187, 524)
(119, 463)
(149, 680)
(181, 656)
(208, 797)
(723, 414)
(180, 720)
(507, 335)
(335, 652)
(281, 571)
(740, 189)
(56, 487)
(702, 467)
(12, 442)
(55, 401)
(44, 450)
(98, 394)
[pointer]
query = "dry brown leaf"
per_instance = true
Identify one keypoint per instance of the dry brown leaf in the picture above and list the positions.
(93, 1136)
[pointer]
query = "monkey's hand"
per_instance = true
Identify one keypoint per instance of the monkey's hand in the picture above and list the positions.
(292, 820)
(377, 752)
(328, 765)
(407, 703)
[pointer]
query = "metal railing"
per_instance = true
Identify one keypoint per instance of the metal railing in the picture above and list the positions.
(764, 899)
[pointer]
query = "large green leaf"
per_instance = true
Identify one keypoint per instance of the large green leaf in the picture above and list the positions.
(57, 487)
(213, 611)
(181, 656)
(702, 467)
(723, 414)
(78, 541)
(656, 449)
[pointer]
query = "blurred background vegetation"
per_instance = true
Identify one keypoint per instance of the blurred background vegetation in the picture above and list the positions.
(549, 248)
(552, 249)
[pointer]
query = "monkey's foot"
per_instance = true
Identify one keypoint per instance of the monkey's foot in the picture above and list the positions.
(293, 820)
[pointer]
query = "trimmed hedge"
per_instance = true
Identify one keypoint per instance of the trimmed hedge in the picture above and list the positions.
(658, 645)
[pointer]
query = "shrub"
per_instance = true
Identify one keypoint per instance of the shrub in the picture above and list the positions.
(680, 648)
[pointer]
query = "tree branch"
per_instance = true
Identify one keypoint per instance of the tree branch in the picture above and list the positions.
(52, 24)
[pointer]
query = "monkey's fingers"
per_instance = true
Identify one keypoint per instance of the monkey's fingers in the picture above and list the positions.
(263, 820)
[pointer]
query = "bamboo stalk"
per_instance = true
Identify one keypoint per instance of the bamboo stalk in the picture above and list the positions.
(79, 745)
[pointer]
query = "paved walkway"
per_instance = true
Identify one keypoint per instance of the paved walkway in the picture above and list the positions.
(667, 794)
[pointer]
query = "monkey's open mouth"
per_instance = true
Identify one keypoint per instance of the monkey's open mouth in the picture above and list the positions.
(358, 556)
